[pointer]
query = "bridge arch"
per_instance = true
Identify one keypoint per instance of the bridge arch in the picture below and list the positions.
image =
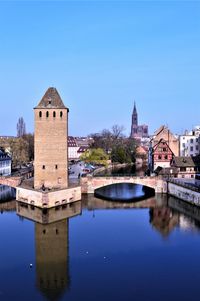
(124, 192)
(89, 184)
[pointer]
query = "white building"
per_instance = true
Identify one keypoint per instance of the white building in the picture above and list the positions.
(72, 148)
(190, 143)
(5, 164)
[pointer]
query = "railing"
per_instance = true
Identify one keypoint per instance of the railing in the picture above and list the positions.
(184, 184)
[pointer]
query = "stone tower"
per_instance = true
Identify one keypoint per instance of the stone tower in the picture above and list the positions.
(51, 132)
(134, 124)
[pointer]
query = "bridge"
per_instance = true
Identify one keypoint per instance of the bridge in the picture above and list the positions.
(90, 183)
(16, 178)
(11, 181)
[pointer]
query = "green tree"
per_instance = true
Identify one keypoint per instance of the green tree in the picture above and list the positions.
(95, 156)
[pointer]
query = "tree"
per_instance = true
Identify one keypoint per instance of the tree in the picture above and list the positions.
(95, 156)
(21, 127)
(29, 138)
(19, 151)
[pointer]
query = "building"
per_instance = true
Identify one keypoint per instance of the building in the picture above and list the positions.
(51, 157)
(138, 131)
(51, 128)
(190, 143)
(82, 150)
(187, 167)
(163, 147)
(72, 148)
(165, 134)
(160, 155)
(5, 164)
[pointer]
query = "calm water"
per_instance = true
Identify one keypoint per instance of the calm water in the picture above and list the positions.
(100, 250)
(126, 192)
(135, 170)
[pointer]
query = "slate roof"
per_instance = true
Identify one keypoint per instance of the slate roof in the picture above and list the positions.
(71, 142)
(51, 100)
(4, 156)
(184, 162)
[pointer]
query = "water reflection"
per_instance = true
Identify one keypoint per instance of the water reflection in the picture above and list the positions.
(125, 192)
(7, 193)
(165, 212)
(51, 246)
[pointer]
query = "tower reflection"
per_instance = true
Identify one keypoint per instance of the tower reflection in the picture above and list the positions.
(51, 246)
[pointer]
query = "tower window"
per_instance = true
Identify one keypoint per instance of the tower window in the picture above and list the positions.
(56, 166)
(61, 114)
(43, 166)
(54, 114)
(40, 114)
(47, 114)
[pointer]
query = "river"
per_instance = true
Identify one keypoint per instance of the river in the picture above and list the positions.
(99, 250)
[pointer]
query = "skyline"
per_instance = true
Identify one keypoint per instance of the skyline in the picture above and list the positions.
(101, 57)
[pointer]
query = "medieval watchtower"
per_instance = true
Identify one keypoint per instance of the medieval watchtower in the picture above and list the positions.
(51, 131)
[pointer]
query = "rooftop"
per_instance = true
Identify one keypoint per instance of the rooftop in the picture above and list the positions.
(51, 100)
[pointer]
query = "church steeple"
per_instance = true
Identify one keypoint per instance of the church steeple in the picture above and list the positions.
(134, 109)
(134, 116)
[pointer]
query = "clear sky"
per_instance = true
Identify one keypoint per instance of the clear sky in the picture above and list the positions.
(101, 56)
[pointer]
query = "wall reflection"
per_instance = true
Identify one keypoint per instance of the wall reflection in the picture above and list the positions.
(166, 213)
(51, 246)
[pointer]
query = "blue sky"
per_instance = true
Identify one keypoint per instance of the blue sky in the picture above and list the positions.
(101, 56)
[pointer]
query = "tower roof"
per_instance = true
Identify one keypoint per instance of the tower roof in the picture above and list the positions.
(51, 100)
(134, 109)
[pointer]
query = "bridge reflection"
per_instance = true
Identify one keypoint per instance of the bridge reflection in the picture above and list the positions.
(51, 246)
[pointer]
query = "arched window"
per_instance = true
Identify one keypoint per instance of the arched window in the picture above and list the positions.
(61, 114)
(54, 114)
(47, 114)
(40, 114)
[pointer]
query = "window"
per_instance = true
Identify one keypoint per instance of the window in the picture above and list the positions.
(191, 140)
(56, 166)
(159, 157)
(54, 114)
(47, 114)
(166, 157)
(182, 168)
(61, 114)
(43, 166)
(164, 149)
(40, 114)
(191, 148)
(183, 145)
(197, 147)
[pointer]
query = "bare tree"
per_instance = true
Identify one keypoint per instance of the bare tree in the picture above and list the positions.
(21, 127)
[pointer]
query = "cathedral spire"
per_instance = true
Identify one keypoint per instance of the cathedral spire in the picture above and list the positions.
(134, 109)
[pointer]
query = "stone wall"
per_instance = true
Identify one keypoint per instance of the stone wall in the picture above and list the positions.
(48, 199)
(51, 152)
(10, 181)
(183, 193)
